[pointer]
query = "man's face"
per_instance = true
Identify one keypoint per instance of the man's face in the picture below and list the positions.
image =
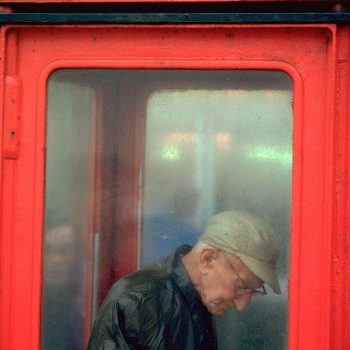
(224, 284)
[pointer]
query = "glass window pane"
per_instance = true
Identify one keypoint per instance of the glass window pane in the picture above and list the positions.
(227, 144)
(137, 161)
(68, 172)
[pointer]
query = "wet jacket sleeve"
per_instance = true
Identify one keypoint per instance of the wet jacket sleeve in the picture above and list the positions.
(141, 320)
(107, 333)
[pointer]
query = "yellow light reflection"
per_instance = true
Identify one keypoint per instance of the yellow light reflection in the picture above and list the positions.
(181, 138)
(223, 140)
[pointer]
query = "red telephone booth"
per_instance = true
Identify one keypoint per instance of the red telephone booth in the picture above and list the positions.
(125, 125)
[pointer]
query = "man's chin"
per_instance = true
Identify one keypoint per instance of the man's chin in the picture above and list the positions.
(218, 311)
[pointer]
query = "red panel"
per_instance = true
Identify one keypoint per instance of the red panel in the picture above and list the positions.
(320, 216)
(154, 1)
(340, 322)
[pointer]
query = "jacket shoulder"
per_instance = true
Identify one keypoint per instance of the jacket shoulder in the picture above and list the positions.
(144, 284)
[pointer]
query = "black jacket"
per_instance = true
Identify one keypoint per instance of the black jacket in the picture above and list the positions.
(156, 308)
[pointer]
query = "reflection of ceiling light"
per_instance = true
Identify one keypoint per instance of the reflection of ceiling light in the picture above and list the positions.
(178, 138)
(275, 94)
(222, 140)
(271, 154)
(238, 94)
(170, 153)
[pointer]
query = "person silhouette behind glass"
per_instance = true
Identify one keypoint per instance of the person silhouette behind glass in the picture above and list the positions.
(63, 313)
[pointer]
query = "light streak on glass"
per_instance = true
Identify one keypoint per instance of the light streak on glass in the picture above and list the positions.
(271, 154)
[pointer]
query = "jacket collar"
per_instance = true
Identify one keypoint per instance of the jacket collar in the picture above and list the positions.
(176, 269)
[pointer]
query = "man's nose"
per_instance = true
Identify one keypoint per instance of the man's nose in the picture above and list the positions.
(242, 301)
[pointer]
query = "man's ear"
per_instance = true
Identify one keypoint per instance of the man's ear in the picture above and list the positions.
(206, 258)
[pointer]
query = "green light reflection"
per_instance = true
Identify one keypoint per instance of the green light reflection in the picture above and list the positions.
(170, 153)
(271, 154)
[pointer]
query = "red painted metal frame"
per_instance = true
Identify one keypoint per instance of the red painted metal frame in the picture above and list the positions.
(160, 1)
(317, 59)
(340, 318)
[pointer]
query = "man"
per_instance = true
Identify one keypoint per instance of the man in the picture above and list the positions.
(170, 305)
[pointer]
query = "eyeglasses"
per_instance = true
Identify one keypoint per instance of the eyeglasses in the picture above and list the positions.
(243, 289)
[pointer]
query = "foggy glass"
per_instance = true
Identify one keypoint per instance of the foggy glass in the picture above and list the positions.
(193, 143)
(210, 150)
(65, 259)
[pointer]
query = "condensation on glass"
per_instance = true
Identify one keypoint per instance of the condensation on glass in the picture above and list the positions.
(137, 160)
